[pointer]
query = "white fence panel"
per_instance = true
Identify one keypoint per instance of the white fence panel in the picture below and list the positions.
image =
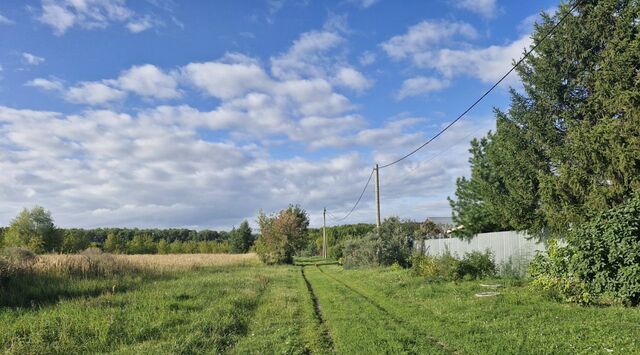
(502, 244)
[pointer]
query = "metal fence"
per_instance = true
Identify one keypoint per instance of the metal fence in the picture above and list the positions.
(502, 244)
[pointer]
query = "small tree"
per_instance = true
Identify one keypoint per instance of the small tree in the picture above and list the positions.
(33, 229)
(141, 244)
(115, 243)
(75, 240)
(241, 238)
(163, 247)
(282, 235)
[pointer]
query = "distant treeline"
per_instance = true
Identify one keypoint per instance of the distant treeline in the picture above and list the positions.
(34, 229)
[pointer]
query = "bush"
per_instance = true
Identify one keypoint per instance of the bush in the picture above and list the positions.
(446, 267)
(282, 235)
(514, 268)
(391, 245)
(436, 268)
(477, 265)
(360, 253)
(599, 264)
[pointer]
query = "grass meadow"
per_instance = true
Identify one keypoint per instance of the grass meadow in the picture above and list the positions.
(187, 304)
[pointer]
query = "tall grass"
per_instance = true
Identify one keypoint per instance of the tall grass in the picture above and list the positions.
(27, 279)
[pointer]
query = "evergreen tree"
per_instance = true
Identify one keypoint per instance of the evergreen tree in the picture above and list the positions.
(569, 146)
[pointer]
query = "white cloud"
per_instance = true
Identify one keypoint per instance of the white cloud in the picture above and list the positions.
(94, 93)
(104, 168)
(484, 8)
(305, 57)
(61, 15)
(46, 84)
(149, 81)
(226, 80)
(424, 36)
(32, 59)
(5, 21)
(487, 64)
(142, 24)
(367, 58)
(365, 3)
(420, 85)
(353, 79)
(443, 47)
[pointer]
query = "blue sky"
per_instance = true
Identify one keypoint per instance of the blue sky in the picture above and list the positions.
(199, 114)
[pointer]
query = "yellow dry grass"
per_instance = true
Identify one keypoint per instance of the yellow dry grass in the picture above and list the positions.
(88, 264)
(188, 261)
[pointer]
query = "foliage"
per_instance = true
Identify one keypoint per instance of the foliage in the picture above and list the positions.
(282, 235)
(515, 268)
(33, 229)
(477, 265)
(446, 267)
(142, 244)
(360, 252)
(601, 261)
(437, 268)
(568, 148)
(74, 240)
(392, 244)
(241, 239)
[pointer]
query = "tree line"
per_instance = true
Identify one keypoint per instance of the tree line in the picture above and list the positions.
(35, 229)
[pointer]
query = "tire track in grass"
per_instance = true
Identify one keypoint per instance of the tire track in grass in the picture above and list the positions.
(399, 321)
(378, 331)
(325, 334)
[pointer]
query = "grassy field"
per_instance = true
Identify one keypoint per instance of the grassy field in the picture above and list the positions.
(233, 304)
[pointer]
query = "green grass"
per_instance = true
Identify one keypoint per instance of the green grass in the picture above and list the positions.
(304, 309)
(519, 321)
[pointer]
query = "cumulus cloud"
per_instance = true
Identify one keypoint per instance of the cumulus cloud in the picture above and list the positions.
(367, 58)
(143, 23)
(444, 47)
(32, 59)
(93, 93)
(424, 36)
(108, 168)
(159, 166)
(305, 57)
(485, 8)
(61, 15)
(226, 80)
(353, 79)
(149, 81)
(46, 84)
(420, 85)
(487, 64)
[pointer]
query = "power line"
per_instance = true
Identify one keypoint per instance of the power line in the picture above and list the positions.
(486, 93)
(359, 198)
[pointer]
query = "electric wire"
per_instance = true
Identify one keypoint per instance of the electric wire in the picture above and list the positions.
(359, 198)
(382, 166)
(474, 104)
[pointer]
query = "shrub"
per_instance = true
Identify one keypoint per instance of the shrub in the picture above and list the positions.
(360, 253)
(514, 268)
(437, 268)
(601, 261)
(477, 265)
(446, 267)
(282, 235)
(391, 245)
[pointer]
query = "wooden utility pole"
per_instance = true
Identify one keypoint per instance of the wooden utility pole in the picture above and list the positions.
(377, 183)
(324, 233)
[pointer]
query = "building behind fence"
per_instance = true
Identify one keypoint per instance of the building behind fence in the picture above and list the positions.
(502, 244)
